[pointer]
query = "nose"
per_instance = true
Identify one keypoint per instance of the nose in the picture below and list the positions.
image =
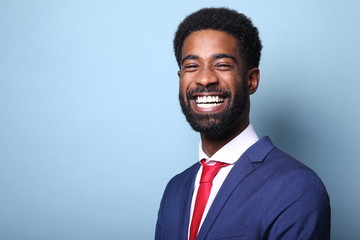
(206, 77)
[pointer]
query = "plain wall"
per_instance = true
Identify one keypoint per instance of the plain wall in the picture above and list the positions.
(90, 125)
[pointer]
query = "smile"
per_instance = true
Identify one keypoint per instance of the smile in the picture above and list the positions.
(208, 101)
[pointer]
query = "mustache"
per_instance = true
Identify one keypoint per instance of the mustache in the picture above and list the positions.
(210, 89)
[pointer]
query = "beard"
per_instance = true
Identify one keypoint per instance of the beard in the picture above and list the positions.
(216, 123)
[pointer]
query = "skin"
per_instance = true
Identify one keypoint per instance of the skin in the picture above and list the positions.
(211, 57)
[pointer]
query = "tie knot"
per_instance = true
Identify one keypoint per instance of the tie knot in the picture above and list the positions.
(210, 171)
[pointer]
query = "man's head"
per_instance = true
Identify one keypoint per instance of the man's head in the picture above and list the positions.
(218, 51)
(226, 20)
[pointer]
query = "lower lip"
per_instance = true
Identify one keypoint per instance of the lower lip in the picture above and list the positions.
(213, 109)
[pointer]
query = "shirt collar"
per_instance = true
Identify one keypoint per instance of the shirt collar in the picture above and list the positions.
(232, 151)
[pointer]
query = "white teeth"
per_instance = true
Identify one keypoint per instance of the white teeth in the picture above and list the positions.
(209, 99)
(207, 105)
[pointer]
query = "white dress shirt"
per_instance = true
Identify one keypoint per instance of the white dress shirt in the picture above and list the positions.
(229, 153)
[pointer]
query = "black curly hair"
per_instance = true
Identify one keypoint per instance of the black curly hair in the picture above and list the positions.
(226, 20)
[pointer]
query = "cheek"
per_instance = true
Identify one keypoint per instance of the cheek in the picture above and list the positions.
(234, 84)
(183, 85)
(182, 91)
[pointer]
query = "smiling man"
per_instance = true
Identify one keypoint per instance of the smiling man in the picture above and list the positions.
(242, 187)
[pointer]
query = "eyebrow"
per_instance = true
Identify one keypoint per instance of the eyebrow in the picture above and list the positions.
(189, 57)
(224, 55)
(216, 56)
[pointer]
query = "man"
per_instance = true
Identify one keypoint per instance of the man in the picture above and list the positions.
(256, 191)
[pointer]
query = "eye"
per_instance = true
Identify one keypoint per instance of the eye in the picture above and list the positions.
(223, 66)
(190, 67)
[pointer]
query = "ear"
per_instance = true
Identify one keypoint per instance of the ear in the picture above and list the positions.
(253, 76)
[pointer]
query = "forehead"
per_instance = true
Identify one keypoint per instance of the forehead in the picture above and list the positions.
(206, 43)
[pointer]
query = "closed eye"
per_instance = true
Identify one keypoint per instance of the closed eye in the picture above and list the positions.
(223, 66)
(190, 67)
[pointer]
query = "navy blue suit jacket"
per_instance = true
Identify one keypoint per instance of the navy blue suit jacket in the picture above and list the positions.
(267, 195)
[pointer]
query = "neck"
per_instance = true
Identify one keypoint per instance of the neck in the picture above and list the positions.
(212, 143)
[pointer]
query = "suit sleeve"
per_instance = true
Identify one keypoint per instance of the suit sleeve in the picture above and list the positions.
(158, 228)
(167, 214)
(297, 208)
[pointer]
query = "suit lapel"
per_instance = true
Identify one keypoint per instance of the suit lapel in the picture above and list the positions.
(185, 202)
(242, 168)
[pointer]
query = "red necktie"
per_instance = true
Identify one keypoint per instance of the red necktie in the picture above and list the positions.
(207, 176)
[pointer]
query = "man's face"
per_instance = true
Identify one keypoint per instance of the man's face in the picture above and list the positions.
(213, 88)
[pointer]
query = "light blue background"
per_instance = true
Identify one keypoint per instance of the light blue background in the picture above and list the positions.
(91, 130)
